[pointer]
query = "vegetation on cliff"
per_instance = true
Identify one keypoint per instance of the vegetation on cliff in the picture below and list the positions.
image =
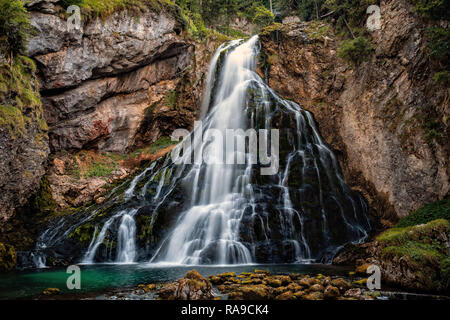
(20, 102)
(435, 210)
(423, 249)
(15, 28)
(104, 8)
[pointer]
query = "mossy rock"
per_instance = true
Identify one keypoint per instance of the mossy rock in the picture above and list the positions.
(423, 249)
(51, 291)
(8, 257)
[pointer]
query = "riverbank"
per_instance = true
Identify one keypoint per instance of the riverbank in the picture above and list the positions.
(245, 282)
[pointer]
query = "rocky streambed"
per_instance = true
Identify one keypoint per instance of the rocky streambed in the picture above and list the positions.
(257, 285)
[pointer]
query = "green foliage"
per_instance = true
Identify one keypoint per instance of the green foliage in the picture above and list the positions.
(351, 11)
(232, 33)
(434, 9)
(424, 249)
(100, 170)
(171, 98)
(445, 273)
(442, 77)
(431, 211)
(261, 16)
(43, 202)
(438, 47)
(399, 235)
(159, 144)
(15, 28)
(198, 29)
(355, 51)
(18, 96)
(306, 9)
(104, 8)
(438, 44)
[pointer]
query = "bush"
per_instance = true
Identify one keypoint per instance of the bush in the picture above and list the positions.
(435, 9)
(355, 51)
(438, 43)
(261, 16)
(15, 28)
(431, 211)
(442, 77)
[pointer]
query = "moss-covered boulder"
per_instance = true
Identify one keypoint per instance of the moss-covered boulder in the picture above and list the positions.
(8, 257)
(416, 257)
(192, 287)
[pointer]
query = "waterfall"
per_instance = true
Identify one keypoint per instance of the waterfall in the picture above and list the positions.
(126, 247)
(203, 211)
(126, 238)
(226, 199)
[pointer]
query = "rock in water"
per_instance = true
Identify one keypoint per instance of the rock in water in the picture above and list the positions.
(192, 287)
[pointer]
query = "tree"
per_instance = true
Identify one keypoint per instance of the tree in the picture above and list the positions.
(15, 28)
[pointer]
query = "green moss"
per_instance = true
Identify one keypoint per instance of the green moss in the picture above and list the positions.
(431, 211)
(423, 247)
(435, 9)
(43, 201)
(8, 257)
(419, 252)
(445, 273)
(317, 30)
(261, 16)
(84, 233)
(105, 8)
(271, 28)
(355, 51)
(19, 96)
(397, 236)
(12, 118)
(442, 77)
(171, 98)
(100, 170)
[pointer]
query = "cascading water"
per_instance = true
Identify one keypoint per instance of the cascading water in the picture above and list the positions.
(205, 212)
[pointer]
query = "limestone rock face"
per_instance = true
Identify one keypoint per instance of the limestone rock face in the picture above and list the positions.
(101, 48)
(23, 143)
(372, 115)
(98, 82)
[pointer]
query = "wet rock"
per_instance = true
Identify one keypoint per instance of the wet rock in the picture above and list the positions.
(8, 257)
(314, 296)
(356, 293)
(362, 269)
(273, 282)
(368, 112)
(288, 295)
(331, 292)
(192, 287)
(341, 284)
(316, 288)
(147, 287)
(51, 291)
(255, 292)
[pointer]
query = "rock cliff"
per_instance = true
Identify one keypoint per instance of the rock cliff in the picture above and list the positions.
(116, 84)
(376, 115)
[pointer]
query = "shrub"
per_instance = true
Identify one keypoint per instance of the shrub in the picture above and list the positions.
(201, 31)
(355, 51)
(261, 16)
(442, 77)
(435, 9)
(15, 28)
(431, 211)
